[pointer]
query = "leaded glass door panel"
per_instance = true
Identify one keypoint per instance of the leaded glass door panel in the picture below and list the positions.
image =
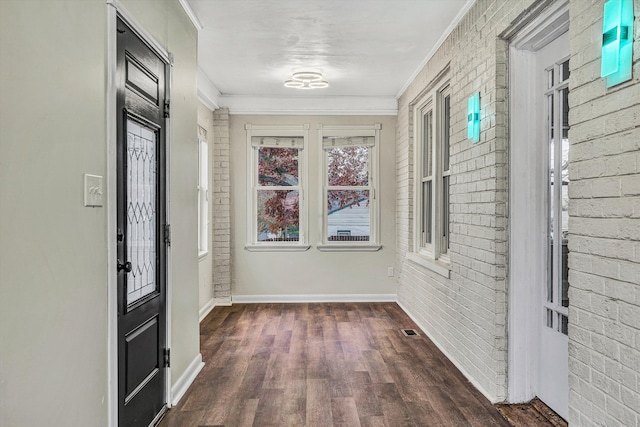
(141, 221)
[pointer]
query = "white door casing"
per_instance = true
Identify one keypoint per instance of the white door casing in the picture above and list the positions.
(538, 356)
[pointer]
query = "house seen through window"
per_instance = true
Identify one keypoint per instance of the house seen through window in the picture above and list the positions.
(276, 177)
(349, 182)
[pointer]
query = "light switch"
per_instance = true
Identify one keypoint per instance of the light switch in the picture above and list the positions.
(92, 190)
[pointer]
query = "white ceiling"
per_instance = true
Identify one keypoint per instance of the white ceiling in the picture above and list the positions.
(368, 51)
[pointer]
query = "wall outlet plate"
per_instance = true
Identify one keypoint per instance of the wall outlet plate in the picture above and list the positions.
(92, 190)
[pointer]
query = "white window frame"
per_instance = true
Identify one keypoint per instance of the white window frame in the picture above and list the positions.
(203, 197)
(433, 255)
(252, 187)
(374, 207)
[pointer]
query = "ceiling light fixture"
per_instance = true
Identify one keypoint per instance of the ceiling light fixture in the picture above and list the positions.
(306, 80)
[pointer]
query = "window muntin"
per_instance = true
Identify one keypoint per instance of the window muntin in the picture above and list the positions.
(432, 175)
(350, 209)
(276, 168)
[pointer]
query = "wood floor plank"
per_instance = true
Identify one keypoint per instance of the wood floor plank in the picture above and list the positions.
(294, 406)
(394, 408)
(324, 365)
(345, 412)
(319, 403)
(373, 421)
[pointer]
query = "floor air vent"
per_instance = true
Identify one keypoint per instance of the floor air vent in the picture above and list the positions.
(409, 332)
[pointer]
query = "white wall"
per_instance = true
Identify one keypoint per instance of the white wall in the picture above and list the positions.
(53, 251)
(311, 272)
(466, 314)
(604, 231)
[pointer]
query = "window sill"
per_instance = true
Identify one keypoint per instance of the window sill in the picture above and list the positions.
(277, 248)
(333, 247)
(440, 267)
(203, 255)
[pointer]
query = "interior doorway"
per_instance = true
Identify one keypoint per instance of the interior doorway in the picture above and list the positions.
(538, 211)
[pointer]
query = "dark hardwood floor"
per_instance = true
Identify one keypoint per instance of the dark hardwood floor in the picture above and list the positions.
(336, 364)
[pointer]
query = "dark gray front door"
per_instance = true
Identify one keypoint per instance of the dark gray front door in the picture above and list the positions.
(141, 216)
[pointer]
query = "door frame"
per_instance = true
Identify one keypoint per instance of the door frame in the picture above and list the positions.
(524, 272)
(114, 10)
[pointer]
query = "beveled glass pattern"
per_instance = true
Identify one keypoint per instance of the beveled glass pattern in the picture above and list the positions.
(141, 211)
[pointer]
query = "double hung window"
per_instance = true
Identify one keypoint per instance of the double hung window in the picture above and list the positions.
(349, 177)
(432, 175)
(277, 172)
(203, 193)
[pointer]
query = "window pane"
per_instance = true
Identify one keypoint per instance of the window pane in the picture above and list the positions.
(348, 166)
(426, 213)
(277, 166)
(564, 324)
(551, 206)
(564, 70)
(427, 145)
(203, 203)
(445, 213)
(349, 216)
(278, 215)
(445, 140)
(564, 106)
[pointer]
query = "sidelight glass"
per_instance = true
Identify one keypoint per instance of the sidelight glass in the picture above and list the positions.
(142, 191)
(558, 196)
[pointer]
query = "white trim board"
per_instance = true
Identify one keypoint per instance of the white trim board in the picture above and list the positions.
(191, 14)
(437, 45)
(310, 105)
(186, 379)
(111, 197)
(206, 309)
(464, 372)
(255, 299)
(208, 94)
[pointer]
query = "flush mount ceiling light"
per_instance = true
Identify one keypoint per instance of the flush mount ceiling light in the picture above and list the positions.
(306, 80)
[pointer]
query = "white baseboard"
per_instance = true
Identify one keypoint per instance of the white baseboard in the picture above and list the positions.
(211, 304)
(206, 309)
(314, 298)
(472, 380)
(186, 379)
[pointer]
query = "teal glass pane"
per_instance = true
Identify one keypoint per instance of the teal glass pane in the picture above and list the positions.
(610, 37)
(617, 41)
(473, 117)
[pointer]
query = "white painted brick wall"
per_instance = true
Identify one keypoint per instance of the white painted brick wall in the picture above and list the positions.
(466, 315)
(604, 227)
(221, 204)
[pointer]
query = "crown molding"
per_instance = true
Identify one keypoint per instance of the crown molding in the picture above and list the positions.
(191, 14)
(208, 94)
(312, 105)
(437, 45)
